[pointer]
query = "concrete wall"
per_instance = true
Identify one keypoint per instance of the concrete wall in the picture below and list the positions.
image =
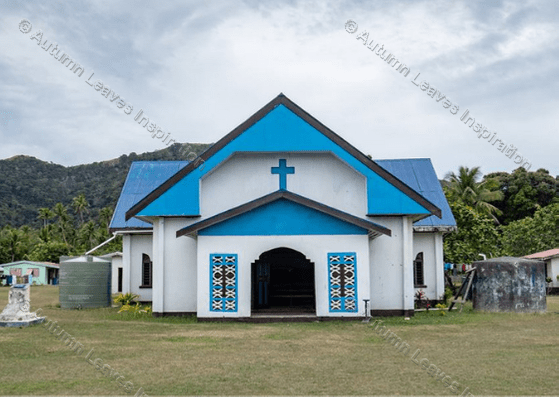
(249, 248)
(509, 285)
(116, 262)
(391, 268)
(174, 268)
(553, 270)
(319, 176)
(133, 247)
(431, 244)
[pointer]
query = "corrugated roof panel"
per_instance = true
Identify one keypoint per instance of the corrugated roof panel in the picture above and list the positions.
(420, 175)
(143, 177)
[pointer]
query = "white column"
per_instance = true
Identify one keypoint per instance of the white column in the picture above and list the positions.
(158, 266)
(126, 262)
(439, 266)
(407, 268)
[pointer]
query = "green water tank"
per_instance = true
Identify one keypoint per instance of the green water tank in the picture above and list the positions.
(85, 282)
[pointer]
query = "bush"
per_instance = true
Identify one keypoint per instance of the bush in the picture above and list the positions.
(126, 299)
(136, 310)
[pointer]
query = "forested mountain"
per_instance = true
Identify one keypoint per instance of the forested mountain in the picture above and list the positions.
(27, 183)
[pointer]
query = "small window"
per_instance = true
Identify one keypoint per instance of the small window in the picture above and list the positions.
(35, 272)
(418, 279)
(146, 271)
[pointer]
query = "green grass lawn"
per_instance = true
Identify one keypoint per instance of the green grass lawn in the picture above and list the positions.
(497, 354)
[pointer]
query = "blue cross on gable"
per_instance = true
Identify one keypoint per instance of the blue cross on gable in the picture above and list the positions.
(283, 170)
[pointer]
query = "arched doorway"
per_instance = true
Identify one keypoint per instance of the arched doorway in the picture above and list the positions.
(283, 281)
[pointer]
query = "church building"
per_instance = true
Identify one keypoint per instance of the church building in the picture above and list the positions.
(282, 216)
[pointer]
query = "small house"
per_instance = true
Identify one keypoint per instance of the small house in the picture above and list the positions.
(551, 259)
(43, 273)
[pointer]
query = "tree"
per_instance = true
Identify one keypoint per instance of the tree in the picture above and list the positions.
(532, 234)
(477, 234)
(63, 220)
(45, 214)
(524, 192)
(465, 188)
(13, 243)
(80, 205)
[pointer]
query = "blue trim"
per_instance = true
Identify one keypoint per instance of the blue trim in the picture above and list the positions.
(280, 130)
(279, 218)
(282, 171)
(223, 294)
(338, 301)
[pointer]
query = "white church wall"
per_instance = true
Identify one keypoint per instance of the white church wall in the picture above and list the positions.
(116, 263)
(174, 268)
(136, 245)
(319, 176)
(248, 250)
(433, 267)
(391, 266)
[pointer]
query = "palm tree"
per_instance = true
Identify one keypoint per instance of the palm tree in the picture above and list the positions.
(465, 188)
(105, 216)
(80, 205)
(62, 214)
(88, 234)
(45, 214)
(13, 242)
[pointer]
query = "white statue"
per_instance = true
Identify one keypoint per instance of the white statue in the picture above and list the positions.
(16, 313)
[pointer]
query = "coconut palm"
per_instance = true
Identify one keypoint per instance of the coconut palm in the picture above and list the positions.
(62, 220)
(45, 214)
(466, 188)
(80, 205)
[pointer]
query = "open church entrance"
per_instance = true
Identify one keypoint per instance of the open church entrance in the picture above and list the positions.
(283, 281)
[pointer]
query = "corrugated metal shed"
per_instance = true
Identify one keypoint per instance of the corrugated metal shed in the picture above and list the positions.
(143, 177)
(420, 175)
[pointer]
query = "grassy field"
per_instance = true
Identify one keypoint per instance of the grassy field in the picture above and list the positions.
(497, 354)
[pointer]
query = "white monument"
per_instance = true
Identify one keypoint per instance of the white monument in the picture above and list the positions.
(16, 313)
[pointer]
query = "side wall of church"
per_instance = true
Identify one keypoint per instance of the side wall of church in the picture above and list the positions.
(431, 244)
(245, 250)
(391, 268)
(174, 268)
(134, 246)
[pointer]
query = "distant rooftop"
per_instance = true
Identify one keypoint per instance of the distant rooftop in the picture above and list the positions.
(45, 264)
(544, 254)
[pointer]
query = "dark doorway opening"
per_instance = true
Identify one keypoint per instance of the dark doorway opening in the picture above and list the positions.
(283, 281)
(120, 279)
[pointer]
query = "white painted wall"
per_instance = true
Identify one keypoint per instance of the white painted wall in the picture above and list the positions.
(174, 267)
(431, 244)
(553, 265)
(116, 262)
(391, 266)
(249, 248)
(134, 245)
(319, 176)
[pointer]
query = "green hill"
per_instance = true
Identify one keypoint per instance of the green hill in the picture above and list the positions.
(27, 183)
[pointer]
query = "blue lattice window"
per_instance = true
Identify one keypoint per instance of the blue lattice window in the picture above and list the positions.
(342, 285)
(223, 282)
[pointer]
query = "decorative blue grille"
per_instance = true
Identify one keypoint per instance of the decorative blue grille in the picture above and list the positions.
(223, 282)
(342, 285)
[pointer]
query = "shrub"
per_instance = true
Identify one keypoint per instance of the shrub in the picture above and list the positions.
(126, 299)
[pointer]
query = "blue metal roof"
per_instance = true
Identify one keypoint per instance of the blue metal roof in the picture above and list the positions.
(420, 175)
(143, 177)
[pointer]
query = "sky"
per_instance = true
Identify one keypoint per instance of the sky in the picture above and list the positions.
(198, 69)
